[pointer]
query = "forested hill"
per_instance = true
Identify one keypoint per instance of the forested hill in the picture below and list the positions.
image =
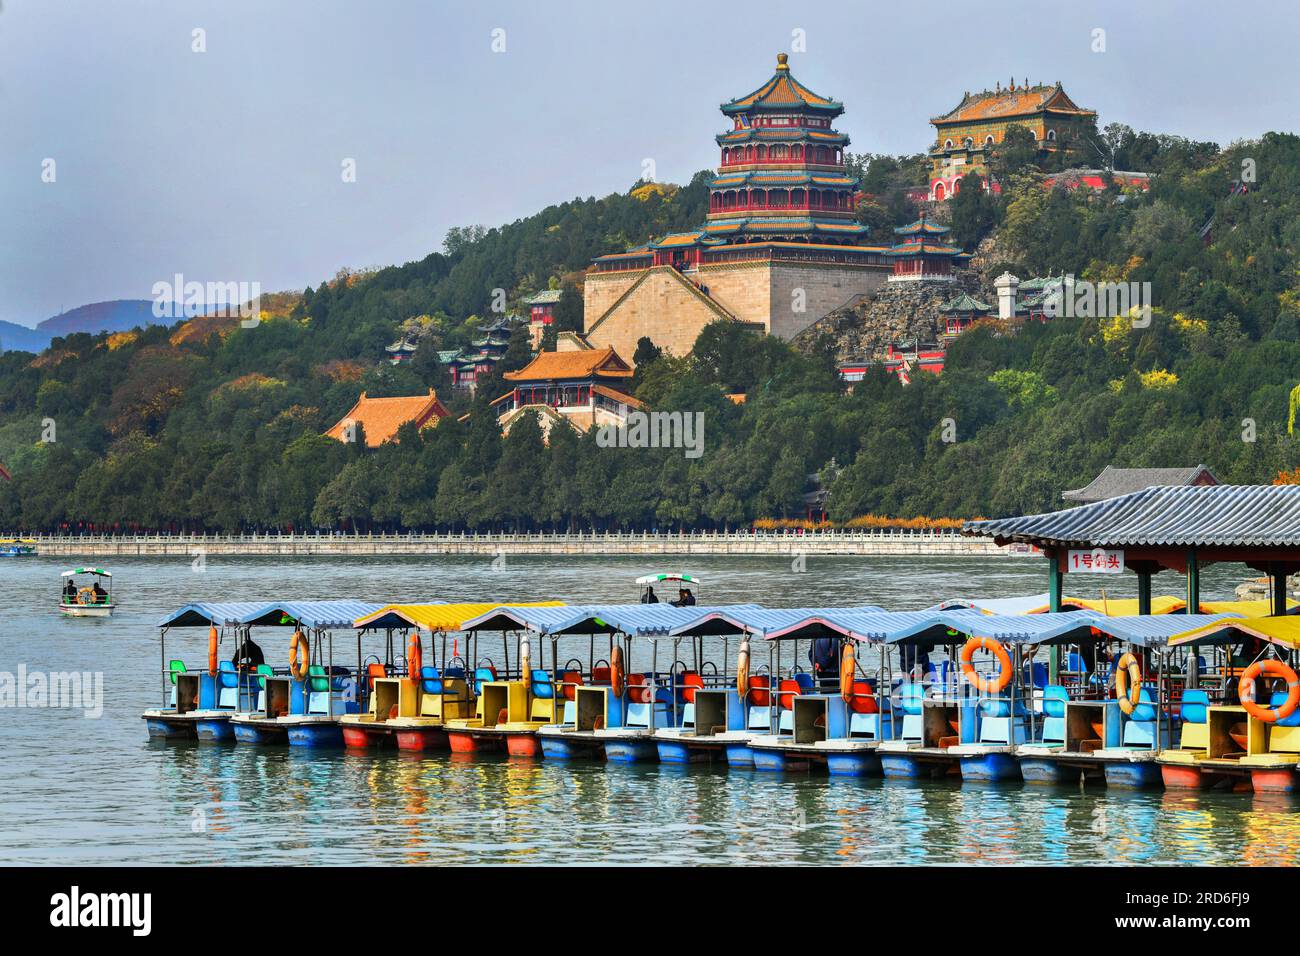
(206, 425)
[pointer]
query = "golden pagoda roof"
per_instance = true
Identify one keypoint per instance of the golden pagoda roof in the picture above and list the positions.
(782, 92)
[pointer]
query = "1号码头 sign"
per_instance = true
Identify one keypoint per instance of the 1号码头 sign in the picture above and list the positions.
(1096, 561)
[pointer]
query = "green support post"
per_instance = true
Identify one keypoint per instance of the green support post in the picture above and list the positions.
(1053, 605)
(1193, 584)
(1144, 592)
(1279, 592)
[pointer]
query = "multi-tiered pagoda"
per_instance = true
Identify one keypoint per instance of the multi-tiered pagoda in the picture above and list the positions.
(779, 249)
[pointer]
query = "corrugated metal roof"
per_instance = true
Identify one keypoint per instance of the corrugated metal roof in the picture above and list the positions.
(202, 614)
(1282, 631)
(637, 620)
(866, 623)
(1155, 631)
(435, 617)
(539, 620)
(313, 614)
(1222, 515)
(1039, 603)
(755, 619)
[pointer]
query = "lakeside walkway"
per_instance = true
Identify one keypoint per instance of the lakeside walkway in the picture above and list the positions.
(834, 542)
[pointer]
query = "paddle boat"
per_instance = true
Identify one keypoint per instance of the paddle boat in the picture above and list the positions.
(835, 717)
(82, 599)
(677, 584)
(419, 710)
(720, 713)
(303, 706)
(1231, 743)
(16, 547)
(200, 703)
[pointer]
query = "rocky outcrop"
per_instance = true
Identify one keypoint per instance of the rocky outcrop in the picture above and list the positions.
(896, 312)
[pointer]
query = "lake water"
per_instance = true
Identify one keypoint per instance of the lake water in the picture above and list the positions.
(95, 791)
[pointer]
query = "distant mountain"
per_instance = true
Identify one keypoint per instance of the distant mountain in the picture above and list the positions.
(116, 316)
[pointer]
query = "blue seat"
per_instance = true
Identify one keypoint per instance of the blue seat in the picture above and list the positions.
(1000, 707)
(482, 675)
(804, 679)
(1037, 674)
(1055, 698)
(430, 680)
(1277, 700)
(541, 685)
(1145, 710)
(1075, 664)
(1193, 709)
(912, 696)
(227, 674)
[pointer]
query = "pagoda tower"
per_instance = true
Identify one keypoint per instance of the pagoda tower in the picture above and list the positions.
(782, 175)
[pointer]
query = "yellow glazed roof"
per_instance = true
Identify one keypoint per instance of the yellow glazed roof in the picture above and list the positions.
(436, 617)
(1284, 631)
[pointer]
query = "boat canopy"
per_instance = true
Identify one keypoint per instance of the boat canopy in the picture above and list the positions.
(98, 572)
(1155, 631)
(636, 620)
(1127, 607)
(944, 627)
(202, 614)
(320, 615)
(438, 617)
(670, 576)
(540, 619)
(787, 623)
(865, 623)
(1039, 604)
(1282, 631)
(1257, 608)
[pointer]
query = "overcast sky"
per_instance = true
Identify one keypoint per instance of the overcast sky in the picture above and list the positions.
(226, 165)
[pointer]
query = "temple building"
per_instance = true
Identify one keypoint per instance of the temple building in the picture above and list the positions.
(584, 387)
(378, 419)
(967, 134)
(779, 248)
(541, 313)
(961, 312)
(922, 253)
(467, 366)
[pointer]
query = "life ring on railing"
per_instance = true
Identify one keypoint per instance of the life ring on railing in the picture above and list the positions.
(1128, 682)
(299, 640)
(986, 685)
(1271, 668)
(617, 672)
(414, 656)
(846, 674)
(212, 651)
(742, 672)
(85, 595)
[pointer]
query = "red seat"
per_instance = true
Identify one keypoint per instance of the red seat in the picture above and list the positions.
(758, 691)
(638, 692)
(570, 681)
(864, 701)
(789, 690)
(691, 682)
(373, 671)
(600, 675)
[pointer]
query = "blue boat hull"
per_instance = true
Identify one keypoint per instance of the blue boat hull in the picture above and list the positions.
(249, 734)
(629, 751)
(998, 766)
(672, 751)
(1046, 770)
(774, 760)
(740, 755)
(162, 729)
(557, 748)
(317, 736)
(903, 766)
(215, 731)
(1133, 775)
(864, 764)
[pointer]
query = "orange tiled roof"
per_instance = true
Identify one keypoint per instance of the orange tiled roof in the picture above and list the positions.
(616, 395)
(597, 363)
(1001, 104)
(381, 417)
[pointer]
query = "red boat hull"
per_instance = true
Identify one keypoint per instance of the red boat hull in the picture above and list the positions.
(361, 739)
(430, 738)
(1282, 780)
(1184, 778)
(523, 745)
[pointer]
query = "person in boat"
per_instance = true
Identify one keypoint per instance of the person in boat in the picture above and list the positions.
(824, 655)
(101, 596)
(915, 660)
(69, 592)
(649, 597)
(247, 655)
(688, 599)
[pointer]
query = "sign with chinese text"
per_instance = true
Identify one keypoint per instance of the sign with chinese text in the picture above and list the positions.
(1096, 561)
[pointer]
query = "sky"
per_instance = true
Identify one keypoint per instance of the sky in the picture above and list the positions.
(227, 164)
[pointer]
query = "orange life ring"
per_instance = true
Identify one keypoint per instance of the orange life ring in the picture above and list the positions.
(414, 656)
(986, 685)
(617, 673)
(846, 674)
(742, 671)
(1272, 668)
(1128, 682)
(212, 651)
(299, 640)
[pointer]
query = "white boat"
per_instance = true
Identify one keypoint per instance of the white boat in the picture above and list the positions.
(86, 600)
